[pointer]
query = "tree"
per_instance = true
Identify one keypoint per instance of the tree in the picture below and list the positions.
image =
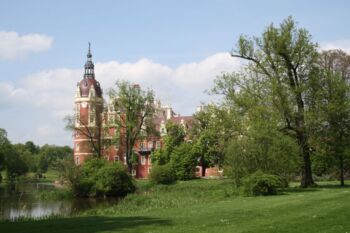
(4, 142)
(94, 134)
(49, 154)
(175, 137)
(4, 147)
(183, 161)
(284, 58)
(31, 147)
(134, 110)
(9, 158)
(262, 147)
(25, 153)
(207, 137)
(335, 107)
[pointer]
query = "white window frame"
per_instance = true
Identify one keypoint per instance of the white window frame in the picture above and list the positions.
(116, 158)
(143, 145)
(143, 160)
(150, 145)
(133, 172)
(77, 160)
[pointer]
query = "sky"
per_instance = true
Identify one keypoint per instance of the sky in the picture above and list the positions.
(176, 48)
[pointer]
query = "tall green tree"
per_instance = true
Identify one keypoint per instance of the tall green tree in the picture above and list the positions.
(284, 58)
(334, 107)
(207, 134)
(174, 138)
(134, 110)
(4, 148)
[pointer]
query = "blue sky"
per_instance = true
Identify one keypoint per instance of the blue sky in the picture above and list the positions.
(156, 43)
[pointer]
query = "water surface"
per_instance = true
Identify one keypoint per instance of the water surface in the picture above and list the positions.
(23, 200)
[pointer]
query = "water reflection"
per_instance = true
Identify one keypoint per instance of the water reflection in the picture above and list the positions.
(22, 200)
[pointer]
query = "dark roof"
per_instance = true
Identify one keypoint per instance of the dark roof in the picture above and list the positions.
(85, 85)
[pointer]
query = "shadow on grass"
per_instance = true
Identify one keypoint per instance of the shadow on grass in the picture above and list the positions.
(318, 187)
(88, 224)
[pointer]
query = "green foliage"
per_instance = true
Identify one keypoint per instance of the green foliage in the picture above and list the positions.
(162, 174)
(261, 147)
(97, 177)
(261, 184)
(135, 109)
(113, 180)
(15, 165)
(68, 172)
(177, 154)
(277, 82)
(4, 147)
(56, 194)
(209, 134)
(49, 154)
(174, 138)
(183, 162)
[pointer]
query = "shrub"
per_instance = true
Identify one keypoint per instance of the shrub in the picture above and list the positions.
(96, 177)
(259, 183)
(162, 174)
(113, 180)
(82, 187)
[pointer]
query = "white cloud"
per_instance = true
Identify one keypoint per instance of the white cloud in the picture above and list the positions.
(338, 44)
(14, 46)
(50, 94)
(9, 94)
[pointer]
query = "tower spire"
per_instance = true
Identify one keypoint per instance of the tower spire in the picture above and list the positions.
(89, 55)
(89, 65)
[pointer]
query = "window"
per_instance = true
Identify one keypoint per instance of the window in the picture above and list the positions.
(143, 145)
(116, 158)
(150, 145)
(77, 160)
(149, 170)
(143, 160)
(92, 117)
(77, 118)
(133, 172)
(77, 147)
(149, 160)
(158, 144)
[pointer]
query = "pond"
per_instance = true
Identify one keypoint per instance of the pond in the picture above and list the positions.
(23, 200)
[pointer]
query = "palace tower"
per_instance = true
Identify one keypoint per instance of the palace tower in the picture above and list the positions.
(88, 114)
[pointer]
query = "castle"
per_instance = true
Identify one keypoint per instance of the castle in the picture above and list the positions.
(90, 121)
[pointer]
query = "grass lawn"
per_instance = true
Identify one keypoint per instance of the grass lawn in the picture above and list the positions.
(48, 177)
(208, 206)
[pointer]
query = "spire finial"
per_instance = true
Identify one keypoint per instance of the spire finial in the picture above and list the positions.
(89, 55)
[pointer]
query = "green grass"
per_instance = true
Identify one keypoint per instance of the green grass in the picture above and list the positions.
(48, 177)
(207, 206)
